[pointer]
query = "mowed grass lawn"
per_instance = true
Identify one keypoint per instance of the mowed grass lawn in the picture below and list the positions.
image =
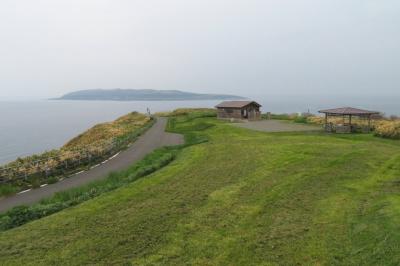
(242, 198)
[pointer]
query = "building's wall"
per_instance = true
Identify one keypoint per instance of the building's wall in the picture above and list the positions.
(254, 113)
(227, 113)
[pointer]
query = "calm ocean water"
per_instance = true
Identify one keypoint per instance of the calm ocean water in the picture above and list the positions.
(27, 128)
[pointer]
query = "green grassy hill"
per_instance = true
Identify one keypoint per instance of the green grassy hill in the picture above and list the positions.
(242, 198)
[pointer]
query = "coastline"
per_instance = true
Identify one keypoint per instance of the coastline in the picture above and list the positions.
(86, 151)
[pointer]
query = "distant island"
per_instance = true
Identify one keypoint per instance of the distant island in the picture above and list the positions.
(142, 95)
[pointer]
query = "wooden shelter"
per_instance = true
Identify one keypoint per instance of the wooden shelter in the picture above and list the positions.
(347, 113)
(241, 110)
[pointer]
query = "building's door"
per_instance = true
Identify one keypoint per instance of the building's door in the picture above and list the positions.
(244, 113)
(251, 115)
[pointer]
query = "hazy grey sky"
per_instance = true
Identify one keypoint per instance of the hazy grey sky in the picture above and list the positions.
(49, 47)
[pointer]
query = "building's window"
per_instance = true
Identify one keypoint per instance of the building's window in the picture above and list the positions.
(229, 111)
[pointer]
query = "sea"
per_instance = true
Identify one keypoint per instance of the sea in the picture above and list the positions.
(31, 127)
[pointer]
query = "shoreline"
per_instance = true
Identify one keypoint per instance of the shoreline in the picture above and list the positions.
(86, 151)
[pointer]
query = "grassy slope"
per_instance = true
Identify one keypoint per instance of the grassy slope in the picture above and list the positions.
(243, 198)
(104, 132)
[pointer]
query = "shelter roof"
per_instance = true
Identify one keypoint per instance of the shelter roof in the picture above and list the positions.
(348, 111)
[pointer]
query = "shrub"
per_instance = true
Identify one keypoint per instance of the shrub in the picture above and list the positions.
(52, 180)
(8, 189)
(316, 120)
(301, 119)
(388, 129)
(88, 148)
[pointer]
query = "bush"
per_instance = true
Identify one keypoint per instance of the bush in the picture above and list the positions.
(8, 189)
(388, 129)
(91, 147)
(52, 180)
(301, 119)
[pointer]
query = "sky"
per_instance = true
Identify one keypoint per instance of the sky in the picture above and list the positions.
(244, 47)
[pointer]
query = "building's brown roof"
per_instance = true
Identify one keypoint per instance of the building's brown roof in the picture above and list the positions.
(236, 104)
(348, 111)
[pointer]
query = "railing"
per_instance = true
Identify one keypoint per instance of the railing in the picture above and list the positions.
(52, 168)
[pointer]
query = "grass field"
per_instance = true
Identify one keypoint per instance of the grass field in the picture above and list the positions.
(242, 198)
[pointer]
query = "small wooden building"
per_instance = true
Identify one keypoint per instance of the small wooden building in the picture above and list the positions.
(241, 110)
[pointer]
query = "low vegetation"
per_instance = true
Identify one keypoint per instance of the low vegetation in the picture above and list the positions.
(319, 120)
(190, 112)
(295, 117)
(100, 135)
(385, 127)
(242, 198)
(22, 214)
(279, 116)
(382, 127)
(388, 129)
(87, 149)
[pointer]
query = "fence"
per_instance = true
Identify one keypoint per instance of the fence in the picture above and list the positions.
(51, 168)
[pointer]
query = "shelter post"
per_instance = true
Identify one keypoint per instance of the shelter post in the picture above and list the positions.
(369, 123)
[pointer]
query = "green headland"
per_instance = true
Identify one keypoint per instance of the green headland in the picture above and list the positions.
(234, 196)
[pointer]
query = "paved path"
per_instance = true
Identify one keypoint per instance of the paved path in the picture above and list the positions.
(152, 139)
(277, 126)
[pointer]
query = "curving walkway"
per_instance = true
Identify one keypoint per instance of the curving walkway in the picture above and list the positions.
(152, 139)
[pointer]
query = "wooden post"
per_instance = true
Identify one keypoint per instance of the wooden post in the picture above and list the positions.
(326, 121)
(369, 123)
(351, 128)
